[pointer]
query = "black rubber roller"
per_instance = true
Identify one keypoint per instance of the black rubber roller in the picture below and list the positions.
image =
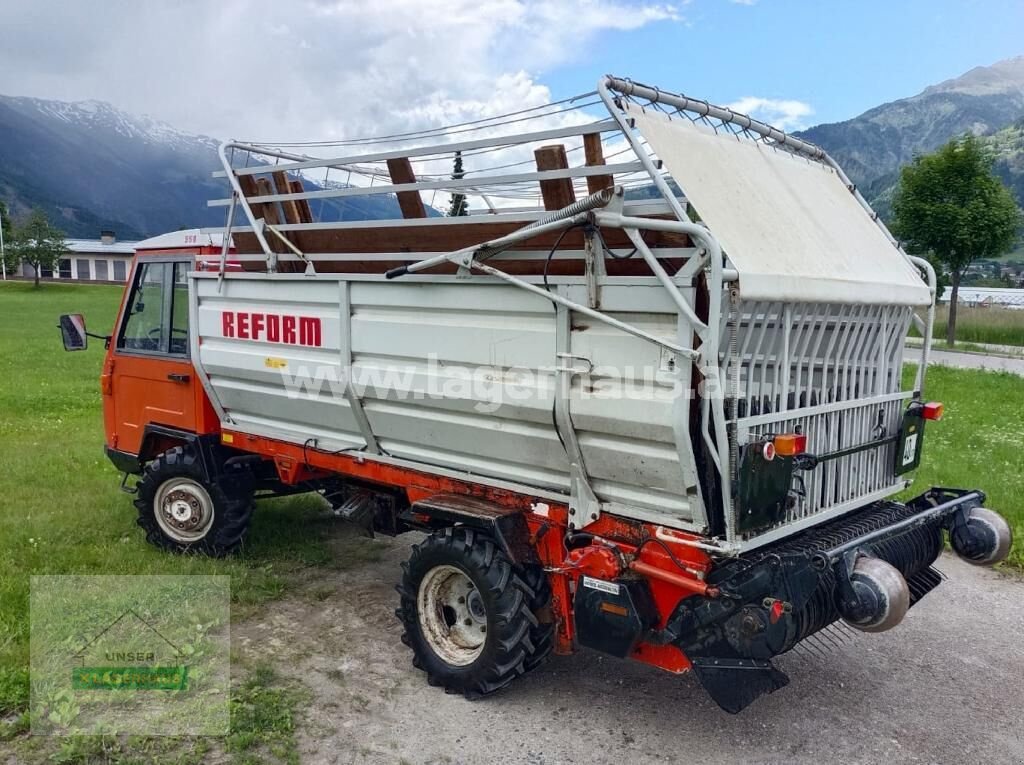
(981, 536)
(883, 597)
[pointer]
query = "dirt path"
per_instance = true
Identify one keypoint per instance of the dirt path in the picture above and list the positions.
(944, 687)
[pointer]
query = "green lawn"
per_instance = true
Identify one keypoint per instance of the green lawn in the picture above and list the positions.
(62, 512)
(979, 441)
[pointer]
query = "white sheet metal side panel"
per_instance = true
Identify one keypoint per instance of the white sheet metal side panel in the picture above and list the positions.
(791, 228)
(459, 375)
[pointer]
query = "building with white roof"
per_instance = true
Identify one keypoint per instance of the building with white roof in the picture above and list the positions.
(1002, 297)
(104, 260)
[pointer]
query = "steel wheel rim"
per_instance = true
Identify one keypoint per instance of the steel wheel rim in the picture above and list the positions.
(183, 510)
(452, 615)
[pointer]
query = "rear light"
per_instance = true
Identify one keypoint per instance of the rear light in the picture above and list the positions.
(932, 411)
(790, 444)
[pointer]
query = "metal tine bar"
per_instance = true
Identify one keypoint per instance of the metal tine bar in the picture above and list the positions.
(850, 361)
(813, 356)
(882, 357)
(783, 359)
(860, 361)
(828, 634)
(805, 382)
(748, 335)
(300, 162)
(828, 355)
(754, 355)
(815, 642)
(842, 352)
(770, 358)
(894, 349)
(800, 341)
(870, 368)
(442, 185)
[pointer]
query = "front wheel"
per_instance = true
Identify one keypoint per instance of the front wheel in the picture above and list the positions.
(470, 614)
(181, 511)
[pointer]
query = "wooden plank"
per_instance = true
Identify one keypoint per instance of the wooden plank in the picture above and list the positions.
(594, 154)
(249, 189)
(559, 266)
(557, 193)
(288, 206)
(305, 214)
(409, 201)
(273, 217)
(428, 238)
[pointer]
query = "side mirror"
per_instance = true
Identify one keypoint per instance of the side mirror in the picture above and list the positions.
(72, 331)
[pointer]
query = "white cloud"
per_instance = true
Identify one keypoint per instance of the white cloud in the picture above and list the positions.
(305, 69)
(743, 2)
(785, 114)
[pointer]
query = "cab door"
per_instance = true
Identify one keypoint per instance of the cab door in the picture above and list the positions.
(152, 379)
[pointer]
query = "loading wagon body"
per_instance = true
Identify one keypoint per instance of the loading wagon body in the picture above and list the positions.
(680, 435)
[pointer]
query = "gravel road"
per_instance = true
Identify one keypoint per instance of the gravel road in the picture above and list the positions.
(944, 687)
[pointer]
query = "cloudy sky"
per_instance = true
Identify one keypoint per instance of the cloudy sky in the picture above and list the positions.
(326, 69)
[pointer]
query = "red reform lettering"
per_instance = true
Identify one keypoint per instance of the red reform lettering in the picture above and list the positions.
(309, 331)
(257, 325)
(227, 319)
(273, 328)
(243, 325)
(288, 329)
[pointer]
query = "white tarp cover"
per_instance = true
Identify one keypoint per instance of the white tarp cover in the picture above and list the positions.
(789, 225)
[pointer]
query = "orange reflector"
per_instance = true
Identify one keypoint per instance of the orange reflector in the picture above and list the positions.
(790, 444)
(932, 411)
(612, 608)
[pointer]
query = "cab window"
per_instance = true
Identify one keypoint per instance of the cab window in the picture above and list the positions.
(156, 318)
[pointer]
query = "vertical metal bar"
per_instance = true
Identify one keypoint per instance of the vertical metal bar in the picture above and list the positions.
(787, 323)
(641, 153)
(237, 188)
(584, 507)
(922, 368)
(345, 351)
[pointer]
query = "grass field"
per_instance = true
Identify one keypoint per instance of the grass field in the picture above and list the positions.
(62, 512)
(999, 326)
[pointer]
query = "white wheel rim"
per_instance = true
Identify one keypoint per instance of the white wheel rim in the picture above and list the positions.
(183, 510)
(452, 615)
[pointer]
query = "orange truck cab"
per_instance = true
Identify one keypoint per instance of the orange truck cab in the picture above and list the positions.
(159, 402)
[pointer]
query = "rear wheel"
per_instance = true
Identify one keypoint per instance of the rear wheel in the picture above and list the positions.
(180, 510)
(472, 618)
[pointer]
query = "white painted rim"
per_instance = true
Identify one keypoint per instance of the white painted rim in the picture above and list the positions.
(183, 510)
(452, 615)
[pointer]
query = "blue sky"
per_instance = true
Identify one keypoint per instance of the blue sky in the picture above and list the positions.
(841, 58)
(356, 68)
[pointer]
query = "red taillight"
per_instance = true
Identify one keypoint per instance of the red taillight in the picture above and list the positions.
(932, 411)
(790, 444)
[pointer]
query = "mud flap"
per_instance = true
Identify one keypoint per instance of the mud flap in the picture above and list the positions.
(734, 683)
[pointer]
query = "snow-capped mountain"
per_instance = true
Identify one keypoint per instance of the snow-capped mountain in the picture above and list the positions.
(91, 166)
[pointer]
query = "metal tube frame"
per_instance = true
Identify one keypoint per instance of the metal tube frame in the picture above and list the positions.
(710, 257)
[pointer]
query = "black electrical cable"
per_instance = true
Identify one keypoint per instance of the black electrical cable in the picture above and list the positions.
(664, 547)
(610, 251)
(311, 443)
(554, 248)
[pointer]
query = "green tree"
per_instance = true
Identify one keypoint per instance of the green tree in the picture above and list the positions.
(7, 235)
(38, 243)
(458, 205)
(951, 208)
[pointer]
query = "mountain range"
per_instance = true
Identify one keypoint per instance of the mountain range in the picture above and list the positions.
(987, 101)
(92, 166)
